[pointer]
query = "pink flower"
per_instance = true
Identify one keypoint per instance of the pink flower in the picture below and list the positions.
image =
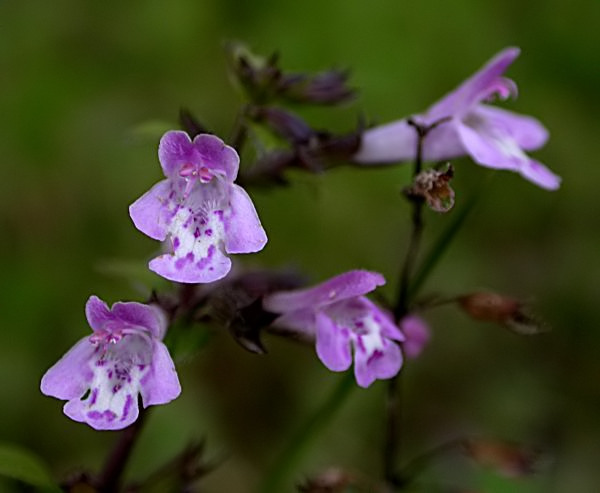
(493, 137)
(199, 208)
(102, 374)
(345, 324)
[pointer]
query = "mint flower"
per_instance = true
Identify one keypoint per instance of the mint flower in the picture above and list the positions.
(102, 374)
(493, 137)
(344, 323)
(199, 209)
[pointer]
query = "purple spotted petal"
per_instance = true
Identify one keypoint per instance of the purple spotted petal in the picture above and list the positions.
(481, 85)
(70, 376)
(384, 320)
(105, 419)
(380, 364)
(161, 384)
(141, 315)
(176, 150)
(333, 344)
(347, 285)
(151, 213)
(191, 268)
(244, 233)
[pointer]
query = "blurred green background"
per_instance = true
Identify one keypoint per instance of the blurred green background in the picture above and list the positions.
(83, 83)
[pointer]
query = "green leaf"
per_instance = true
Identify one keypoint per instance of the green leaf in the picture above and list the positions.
(22, 465)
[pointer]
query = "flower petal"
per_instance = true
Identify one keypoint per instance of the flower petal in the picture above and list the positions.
(244, 233)
(302, 320)
(70, 376)
(197, 241)
(346, 285)
(490, 148)
(174, 150)
(191, 269)
(110, 398)
(333, 344)
(97, 313)
(537, 173)
(151, 213)
(528, 132)
(380, 364)
(494, 148)
(138, 314)
(476, 88)
(161, 384)
(216, 155)
(395, 141)
(383, 320)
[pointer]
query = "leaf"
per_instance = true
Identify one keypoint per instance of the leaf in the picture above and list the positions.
(22, 465)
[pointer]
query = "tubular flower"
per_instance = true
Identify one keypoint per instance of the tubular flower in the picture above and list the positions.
(102, 374)
(493, 137)
(344, 324)
(199, 209)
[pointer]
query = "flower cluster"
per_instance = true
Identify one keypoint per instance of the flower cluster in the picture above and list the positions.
(202, 215)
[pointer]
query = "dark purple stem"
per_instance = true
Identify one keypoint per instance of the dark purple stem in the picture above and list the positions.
(392, 443)
(108, 480)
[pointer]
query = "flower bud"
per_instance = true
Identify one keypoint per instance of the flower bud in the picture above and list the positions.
(509, 312)
(326, 88)
(417, 334)
(509, 459)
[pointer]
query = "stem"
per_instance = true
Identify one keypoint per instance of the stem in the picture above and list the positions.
(109, 478)
(306, 433)
(392, 443)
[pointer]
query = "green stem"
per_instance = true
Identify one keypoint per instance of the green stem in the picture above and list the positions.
(304, 436)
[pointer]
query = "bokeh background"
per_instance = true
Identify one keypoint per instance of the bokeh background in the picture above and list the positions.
(85, 88)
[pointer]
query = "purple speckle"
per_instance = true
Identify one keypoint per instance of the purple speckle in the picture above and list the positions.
(197, 233)
(204, 261)
(127, 407)
(219, 214)
(179, 263)
(360, 344)
(116, 388)
(208, 232)
(176, 243)
(376, 355)
(94, 396)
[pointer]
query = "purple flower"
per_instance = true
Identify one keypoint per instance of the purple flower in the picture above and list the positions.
(102, 374)
(417, 335)
(343, 321)
(493, 137)
(204, 214)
